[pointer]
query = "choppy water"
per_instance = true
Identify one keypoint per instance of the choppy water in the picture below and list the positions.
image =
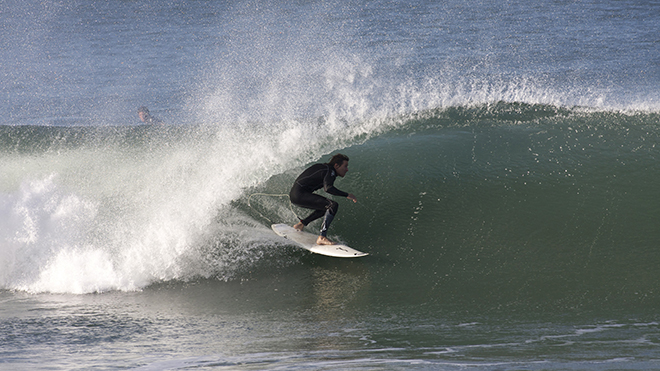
(504, 156)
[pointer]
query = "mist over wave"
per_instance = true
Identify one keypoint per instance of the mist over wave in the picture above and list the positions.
(77, 63)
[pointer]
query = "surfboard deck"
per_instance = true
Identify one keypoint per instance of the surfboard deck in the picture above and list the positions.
(308, 241)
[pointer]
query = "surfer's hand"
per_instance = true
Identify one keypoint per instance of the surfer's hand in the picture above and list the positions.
(351, 197)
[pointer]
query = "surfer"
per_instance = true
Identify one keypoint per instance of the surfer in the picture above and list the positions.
(316, 177)
(146, 117)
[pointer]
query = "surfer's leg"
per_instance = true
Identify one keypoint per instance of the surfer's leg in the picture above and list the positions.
(311, 201)
(329, 214)
(317, 214)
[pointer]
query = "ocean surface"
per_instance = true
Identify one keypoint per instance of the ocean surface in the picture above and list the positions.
(505, 156)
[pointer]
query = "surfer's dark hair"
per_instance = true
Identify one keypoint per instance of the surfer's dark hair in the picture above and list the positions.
(338, 159)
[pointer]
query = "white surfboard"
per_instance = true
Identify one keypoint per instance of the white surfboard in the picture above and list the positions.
(308, 242)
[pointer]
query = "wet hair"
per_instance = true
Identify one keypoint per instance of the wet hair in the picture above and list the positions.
(143, 109)
(338, 159)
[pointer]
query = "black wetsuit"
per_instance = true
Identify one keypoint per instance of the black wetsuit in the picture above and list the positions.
(302, 194)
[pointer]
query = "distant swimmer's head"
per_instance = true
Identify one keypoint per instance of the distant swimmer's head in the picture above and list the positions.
(339, 162)
(144, 114)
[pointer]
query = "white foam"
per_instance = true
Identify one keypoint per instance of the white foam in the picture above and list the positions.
(39, 223)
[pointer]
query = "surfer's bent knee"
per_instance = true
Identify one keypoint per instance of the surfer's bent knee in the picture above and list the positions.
(333, 207)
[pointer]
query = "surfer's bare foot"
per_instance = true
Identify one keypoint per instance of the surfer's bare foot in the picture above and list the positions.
(322, 240)
(299, 227)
